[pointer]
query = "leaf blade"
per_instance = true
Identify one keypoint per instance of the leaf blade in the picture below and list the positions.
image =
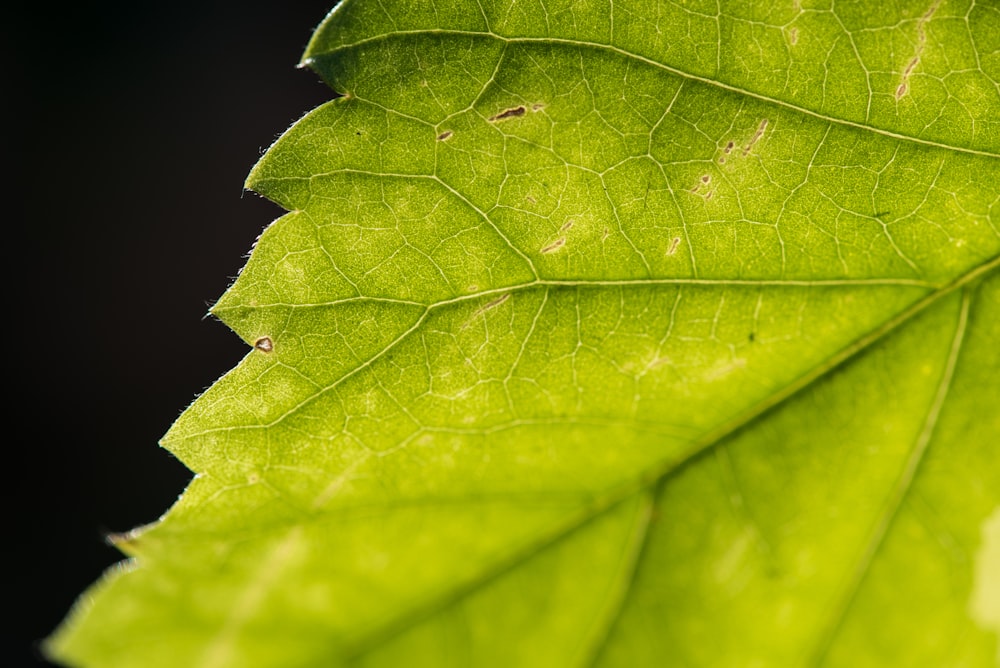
(480, 286)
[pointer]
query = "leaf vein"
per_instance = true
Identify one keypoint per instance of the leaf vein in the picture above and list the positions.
(661, 472)
(667, 68)
(899, 491)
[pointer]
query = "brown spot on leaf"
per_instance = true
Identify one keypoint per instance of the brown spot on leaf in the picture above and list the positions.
(509, 113)
(554, 246)
(756, 137)
(490, 305)
(706, 178)
(444, 135)
(673, 246)
(567, 225)
(904, 87)
(922, 23)
(264, 344)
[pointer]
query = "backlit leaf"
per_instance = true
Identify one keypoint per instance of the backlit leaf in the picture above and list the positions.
(603, 333)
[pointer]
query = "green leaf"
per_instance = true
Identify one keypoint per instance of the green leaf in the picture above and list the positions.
(623, 334)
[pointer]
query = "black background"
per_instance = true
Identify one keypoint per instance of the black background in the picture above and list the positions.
(129, 129)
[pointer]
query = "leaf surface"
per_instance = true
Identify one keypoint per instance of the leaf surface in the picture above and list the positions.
(602, 334)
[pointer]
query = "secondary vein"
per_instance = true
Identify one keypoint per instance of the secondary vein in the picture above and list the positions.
(898, 493)
(662, 66)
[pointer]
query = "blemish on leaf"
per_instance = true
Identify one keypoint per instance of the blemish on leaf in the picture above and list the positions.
(493, 304)
(709, 194)
(984, 603)
(554, 246)
(922, 23)
(538, 106)
(485, 308)
(726, 150)
(793, 36)
(444, 135)
(904, 85)
(756, 137)
(657, 362)
(567, 225)
(751, 337)
(673, 246)
(725, 368)
(706, 178)
(509, 113)
(529, 199)
(264, 344)
(604, 237)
